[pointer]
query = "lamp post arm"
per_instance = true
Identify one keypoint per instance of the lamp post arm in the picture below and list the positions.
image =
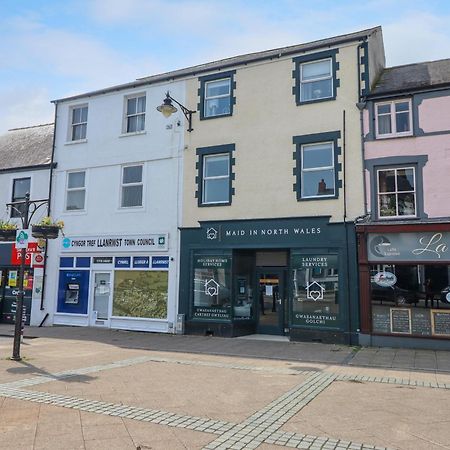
(187, 112)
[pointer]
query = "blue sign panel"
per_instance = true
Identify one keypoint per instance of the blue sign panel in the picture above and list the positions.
(123, 262)
(141, 261)
(160, 262)
(73, 291)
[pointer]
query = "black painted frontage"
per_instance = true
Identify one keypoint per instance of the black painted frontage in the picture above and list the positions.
(294, 277)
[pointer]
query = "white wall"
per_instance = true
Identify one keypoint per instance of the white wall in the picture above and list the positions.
(106, 149)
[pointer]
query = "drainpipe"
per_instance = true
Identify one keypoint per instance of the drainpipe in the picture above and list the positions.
(52, 166)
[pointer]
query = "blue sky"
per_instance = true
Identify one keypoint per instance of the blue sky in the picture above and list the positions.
(51, 48)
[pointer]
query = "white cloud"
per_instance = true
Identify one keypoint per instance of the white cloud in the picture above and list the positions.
(417, 37)
(24, 106)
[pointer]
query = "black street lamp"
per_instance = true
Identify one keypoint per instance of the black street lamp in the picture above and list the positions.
(167, 109)
(26, 214)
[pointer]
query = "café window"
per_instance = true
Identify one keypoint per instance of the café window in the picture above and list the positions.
(396, 192)
(315, 284)
(212, 287)
(410, 299)
(139, 293)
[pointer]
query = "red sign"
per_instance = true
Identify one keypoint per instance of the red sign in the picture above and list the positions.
(16, 254)
(37, 260)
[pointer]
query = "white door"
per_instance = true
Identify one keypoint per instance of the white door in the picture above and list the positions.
(101, 299)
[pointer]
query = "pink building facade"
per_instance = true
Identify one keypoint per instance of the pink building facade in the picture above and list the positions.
(404, 239)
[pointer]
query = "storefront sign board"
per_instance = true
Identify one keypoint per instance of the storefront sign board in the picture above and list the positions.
(115, 243)
(409, 247)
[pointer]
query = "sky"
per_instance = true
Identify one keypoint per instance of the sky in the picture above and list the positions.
(50, 49)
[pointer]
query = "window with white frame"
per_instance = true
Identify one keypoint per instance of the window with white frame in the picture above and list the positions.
(393, 118)
(132, 186)
(135, 113)
(317, 170)
(79, 123)
(76, 191)
(217, 97)
(396, 192)
(216, 178)
(316, 80)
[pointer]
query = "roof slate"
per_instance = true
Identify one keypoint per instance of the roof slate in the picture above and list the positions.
(413, 76)
(24, 147)
(235, 61)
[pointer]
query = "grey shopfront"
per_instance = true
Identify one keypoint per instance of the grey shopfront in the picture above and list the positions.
(405, 284)
(294, 277)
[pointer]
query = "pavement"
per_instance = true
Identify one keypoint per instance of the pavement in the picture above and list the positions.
(86, 388)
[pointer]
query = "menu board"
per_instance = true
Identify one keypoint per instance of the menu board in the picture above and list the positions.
(441, 322)
(381, 321)
(421, 322)
(400, 320)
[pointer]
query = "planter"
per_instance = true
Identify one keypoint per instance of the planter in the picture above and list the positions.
(44, 231)
(7, 235)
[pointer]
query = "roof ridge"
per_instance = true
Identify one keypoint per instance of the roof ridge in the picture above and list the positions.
(31, 126)
(417, 63)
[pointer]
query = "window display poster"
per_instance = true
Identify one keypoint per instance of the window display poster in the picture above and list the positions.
(37, 287)
(12, 278)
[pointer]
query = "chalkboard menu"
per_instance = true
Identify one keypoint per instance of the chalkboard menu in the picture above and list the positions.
(421, 322)
(401, 320)
(381, 321)
(441, 322)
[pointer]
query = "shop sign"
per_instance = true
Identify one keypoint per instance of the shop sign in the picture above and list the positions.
(385, 279)
(141, 262)
(212, 262)
(160, 262)
(123, 262)
(115, 243)
(22, 237)
(102, 259)
(326, 320)
(16, 254)
(37, 260)
(409, 247)
(211, 313)
(282, 231)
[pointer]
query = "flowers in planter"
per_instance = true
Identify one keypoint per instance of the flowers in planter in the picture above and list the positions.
(7, 231)
(47, 228)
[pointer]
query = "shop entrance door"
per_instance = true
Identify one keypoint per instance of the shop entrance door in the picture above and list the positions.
(101, 296)
(271, 301)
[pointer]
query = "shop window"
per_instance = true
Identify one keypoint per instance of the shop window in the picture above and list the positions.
(78, 127)
(396, 192)
(393, 118)
(76, 191)
(410, 299)
(216, 95)
(140, 293)
(315, 281)
(135, 113)
(316, 77)
(212, 287)
(20, 187)
(132, 187)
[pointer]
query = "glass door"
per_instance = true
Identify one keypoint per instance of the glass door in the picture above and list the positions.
(271, 301)
(101, 299)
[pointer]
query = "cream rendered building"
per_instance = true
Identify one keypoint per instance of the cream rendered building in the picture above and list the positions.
(272, 185)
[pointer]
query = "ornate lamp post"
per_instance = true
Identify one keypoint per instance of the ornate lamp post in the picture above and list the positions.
(26, 210)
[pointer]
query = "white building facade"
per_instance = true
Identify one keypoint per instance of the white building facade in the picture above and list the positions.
(115, 186)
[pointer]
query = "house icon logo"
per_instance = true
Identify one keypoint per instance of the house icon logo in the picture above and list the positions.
(212, 233)
(211, 288)
(314, 291)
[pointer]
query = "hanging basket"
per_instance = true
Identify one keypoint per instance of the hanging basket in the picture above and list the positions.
(44, 231)
(7, 235)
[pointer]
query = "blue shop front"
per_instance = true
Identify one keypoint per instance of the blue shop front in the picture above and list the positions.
(295, 277)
